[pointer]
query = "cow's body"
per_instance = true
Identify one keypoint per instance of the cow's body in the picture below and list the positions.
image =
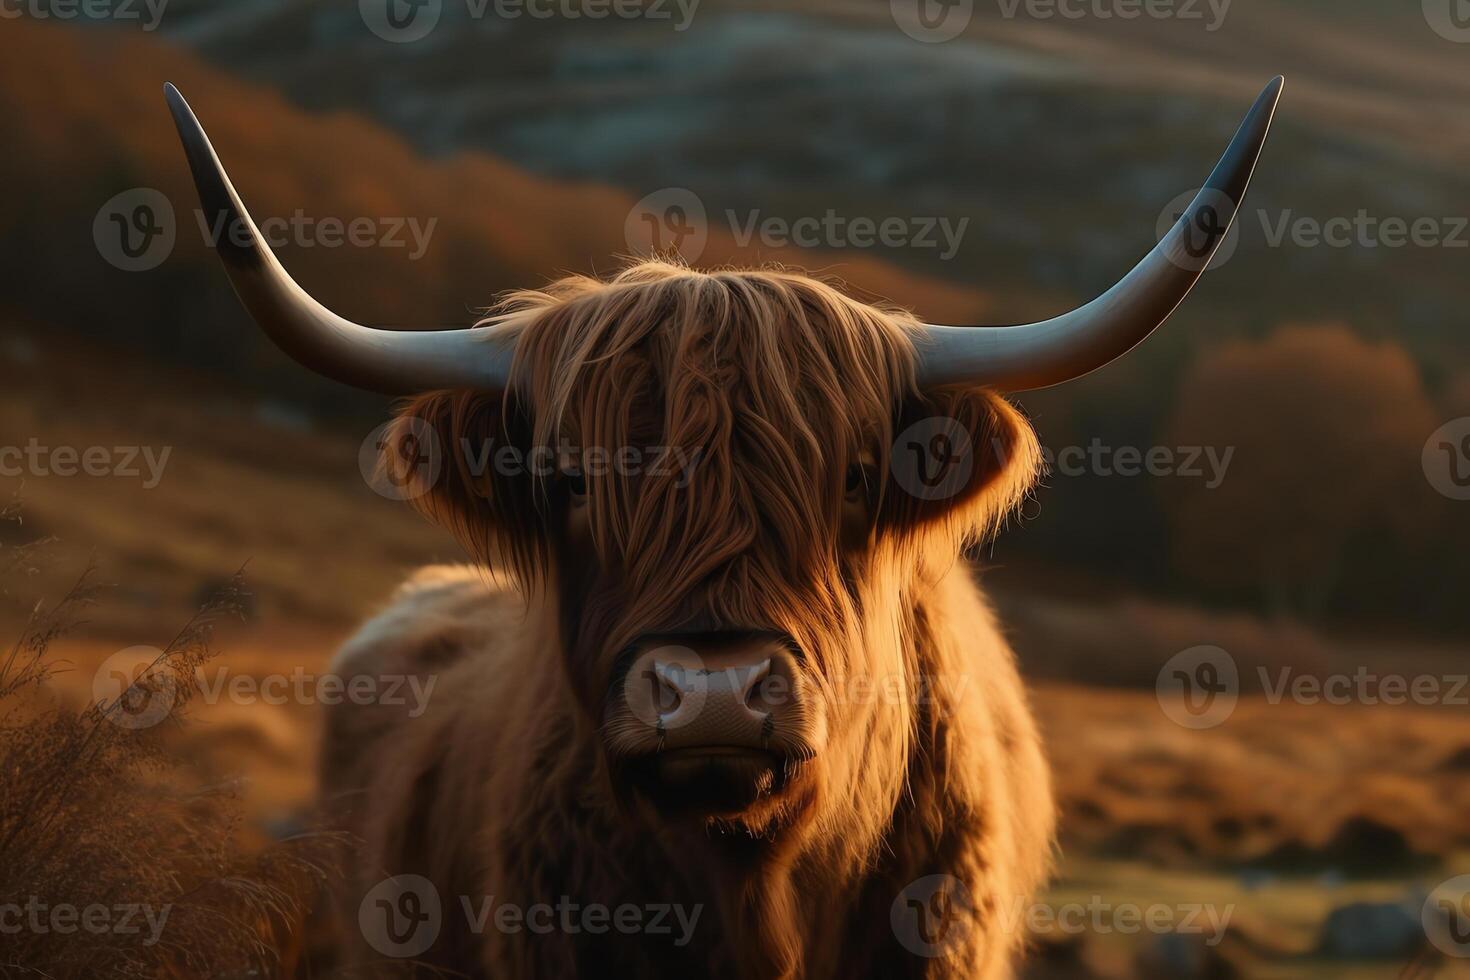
(490, 794)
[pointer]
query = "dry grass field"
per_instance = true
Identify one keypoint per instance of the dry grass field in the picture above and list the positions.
(1273, 820)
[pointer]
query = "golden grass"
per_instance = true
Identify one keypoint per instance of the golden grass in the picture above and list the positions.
(115, 861)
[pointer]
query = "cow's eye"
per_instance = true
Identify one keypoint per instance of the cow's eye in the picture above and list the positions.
(576, 484)
(857, 481)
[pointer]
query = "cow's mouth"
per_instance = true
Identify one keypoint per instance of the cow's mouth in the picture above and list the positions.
(710, 780)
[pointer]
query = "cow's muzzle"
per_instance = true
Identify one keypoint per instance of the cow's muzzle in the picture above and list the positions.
(710, 721)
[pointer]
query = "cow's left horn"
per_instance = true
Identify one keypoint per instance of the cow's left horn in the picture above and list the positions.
(395, 362)
(1038, 355)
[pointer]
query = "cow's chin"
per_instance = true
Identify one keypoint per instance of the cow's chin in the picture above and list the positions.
(752, 788)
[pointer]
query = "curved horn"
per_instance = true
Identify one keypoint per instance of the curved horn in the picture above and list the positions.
(394, 362)
(1038, 355)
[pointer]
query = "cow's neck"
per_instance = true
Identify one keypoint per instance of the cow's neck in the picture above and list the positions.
(790, 914)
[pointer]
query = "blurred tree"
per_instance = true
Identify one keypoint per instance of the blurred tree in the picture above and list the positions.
(1326, 429)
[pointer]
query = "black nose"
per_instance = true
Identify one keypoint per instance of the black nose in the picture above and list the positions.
(712, 692)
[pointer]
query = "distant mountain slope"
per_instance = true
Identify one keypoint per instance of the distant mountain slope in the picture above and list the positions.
(1370, 63)
(97, 127)
(1059, 140)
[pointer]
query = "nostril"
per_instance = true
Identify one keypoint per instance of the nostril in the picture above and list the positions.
(753, 681)
(670, 686)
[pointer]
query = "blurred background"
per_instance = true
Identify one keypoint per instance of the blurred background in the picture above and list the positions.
(1280, 476)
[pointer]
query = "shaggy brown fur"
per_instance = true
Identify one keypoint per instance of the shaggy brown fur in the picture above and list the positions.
(924, 759)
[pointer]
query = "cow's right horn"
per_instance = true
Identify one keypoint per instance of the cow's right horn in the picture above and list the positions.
(395, 362)
(1037, 355)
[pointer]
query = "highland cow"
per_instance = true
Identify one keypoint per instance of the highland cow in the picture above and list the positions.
(763, 692)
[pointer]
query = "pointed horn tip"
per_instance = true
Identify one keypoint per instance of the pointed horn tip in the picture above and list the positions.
(177, 106)
(1272, 92)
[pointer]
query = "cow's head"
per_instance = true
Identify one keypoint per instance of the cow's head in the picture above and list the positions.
(727, 489)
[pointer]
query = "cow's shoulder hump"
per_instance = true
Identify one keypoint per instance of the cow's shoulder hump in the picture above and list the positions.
(437, 615)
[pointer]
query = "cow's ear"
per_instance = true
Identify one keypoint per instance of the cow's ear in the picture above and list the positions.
(961, 460)
(460, 457)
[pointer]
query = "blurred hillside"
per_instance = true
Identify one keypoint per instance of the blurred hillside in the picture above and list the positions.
(1061, 140)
